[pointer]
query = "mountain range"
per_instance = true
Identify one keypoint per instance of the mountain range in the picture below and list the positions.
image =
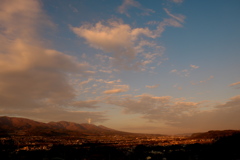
(27, 127)
(23, 126)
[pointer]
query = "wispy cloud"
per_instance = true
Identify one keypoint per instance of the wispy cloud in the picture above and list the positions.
(179, 17)
(123, 9)
(108, 81)
(117, 89)
(203, 81)
(75, 10)
(235, 84)
(153, 86)
(85, 82)
(177, 86)
(185, 72)
(105, 71)
(177, 1)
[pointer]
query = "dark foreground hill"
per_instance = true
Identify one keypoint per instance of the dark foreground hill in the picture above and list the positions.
(23, 126)
(214, 134)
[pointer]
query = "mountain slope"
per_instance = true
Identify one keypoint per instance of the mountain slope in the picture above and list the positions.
(23, 126)
(214, 134)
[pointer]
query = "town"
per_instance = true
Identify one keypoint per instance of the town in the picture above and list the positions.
(104, 147)
(30, 143)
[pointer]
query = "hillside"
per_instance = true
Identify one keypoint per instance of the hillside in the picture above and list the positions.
(214, 134)
(23, 126)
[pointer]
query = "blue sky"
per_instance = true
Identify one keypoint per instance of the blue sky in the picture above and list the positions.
(157, 66)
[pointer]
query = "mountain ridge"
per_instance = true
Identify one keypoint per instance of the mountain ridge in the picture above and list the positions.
(214, 134)
(24, 126)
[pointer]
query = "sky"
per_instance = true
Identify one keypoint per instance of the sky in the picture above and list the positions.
(143, 66)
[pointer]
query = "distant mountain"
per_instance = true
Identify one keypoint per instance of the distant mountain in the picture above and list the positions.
(23, 126)
(214, 134)
(83, 128)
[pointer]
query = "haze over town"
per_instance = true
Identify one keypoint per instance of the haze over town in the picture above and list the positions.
(156, 66)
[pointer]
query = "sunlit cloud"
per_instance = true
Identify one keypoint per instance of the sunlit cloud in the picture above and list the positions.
(117, 38)
(222, 116)
(39, 75)
(105, 71)
(85, 82)
(108, 81)
(117, 89)
(194, 66)
(181, 113)
(173, 71)
(126, 43)
(89, 66)
(34, 79)
(153, 86)
(155, 108)
(235, 84)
